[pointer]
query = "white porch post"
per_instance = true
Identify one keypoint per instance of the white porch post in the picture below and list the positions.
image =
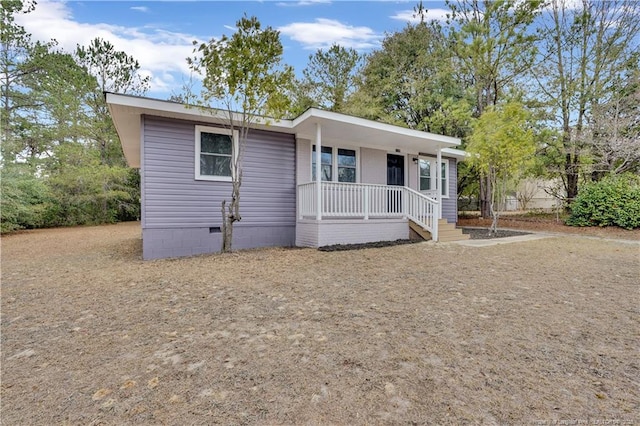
(318, 172)
(439, 182)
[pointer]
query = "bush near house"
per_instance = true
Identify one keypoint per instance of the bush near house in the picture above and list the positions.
(86, 194)
(614, 200)
(25, 199)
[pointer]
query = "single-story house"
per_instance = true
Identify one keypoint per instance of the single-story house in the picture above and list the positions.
(322, 178)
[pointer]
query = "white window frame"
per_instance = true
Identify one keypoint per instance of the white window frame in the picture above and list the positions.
(432, 169)
(234, 151)
(426, 160)
(334, 162)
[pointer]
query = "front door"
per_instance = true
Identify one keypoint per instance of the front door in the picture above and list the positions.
(395, 170)
(395, 177)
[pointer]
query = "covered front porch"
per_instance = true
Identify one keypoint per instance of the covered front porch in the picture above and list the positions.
(361, 181)
(353, 213)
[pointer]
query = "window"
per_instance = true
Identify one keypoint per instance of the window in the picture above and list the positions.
(346, 165)
(214, 150)
(425, 175)
(326, 162)
(444, 187)
(336, 164)
(427, 172)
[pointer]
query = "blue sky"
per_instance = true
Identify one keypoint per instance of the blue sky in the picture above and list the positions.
(159, 34)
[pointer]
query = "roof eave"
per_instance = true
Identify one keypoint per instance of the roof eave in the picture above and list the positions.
(316, 115)
(127, 112)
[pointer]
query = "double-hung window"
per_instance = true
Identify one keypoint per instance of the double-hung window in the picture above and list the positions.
(444, 178)
(346, 165)
(427, 170)
(326, 163)
(425, 175)
(335, 164)
(214, 152)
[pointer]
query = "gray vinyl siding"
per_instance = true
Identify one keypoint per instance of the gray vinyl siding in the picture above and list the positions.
(450, 205)
(173, 199)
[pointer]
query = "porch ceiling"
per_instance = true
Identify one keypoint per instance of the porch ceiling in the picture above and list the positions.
(340, 128)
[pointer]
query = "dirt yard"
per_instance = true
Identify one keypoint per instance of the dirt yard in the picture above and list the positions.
(533, 332)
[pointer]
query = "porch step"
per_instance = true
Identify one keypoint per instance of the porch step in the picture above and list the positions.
(418, 233)
(446, 232)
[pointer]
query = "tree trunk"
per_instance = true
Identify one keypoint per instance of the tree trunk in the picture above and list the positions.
(227, 228)
(485, 197)
(494, 209)
(571, 169)
(229, 216)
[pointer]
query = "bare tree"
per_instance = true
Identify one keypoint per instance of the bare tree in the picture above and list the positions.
(615, 130)
(245, 74)
(584, 52)
(525, 192)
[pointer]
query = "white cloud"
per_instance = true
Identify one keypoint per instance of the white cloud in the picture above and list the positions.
(303, 3)
(140, 8)
(324, 32)
(566, 4)
(430, 15)
(162, 54)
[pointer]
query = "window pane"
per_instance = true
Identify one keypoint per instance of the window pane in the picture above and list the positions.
(346, 174)
(346, 157)
(326, 157)
(443, 176)
(425, 184)
(425, 168)
(425, 175)
(326, 173)
(215, 165)
(326, 154)
(215, 143)
(326, 162)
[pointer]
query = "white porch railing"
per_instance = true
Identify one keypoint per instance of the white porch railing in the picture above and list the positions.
(365, 201)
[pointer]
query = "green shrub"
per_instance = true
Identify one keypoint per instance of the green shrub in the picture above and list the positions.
(615, 200)
(86, 192)
(25, 199)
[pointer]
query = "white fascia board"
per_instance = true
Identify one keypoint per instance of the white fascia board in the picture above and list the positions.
(376, 125)
(457, 153)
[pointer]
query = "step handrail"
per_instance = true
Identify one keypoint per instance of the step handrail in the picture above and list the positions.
(422, 210)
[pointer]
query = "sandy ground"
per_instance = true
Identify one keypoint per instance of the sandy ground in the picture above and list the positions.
(538, 332)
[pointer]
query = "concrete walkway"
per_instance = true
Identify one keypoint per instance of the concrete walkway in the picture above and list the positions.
(505, 240)
(531, 236)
